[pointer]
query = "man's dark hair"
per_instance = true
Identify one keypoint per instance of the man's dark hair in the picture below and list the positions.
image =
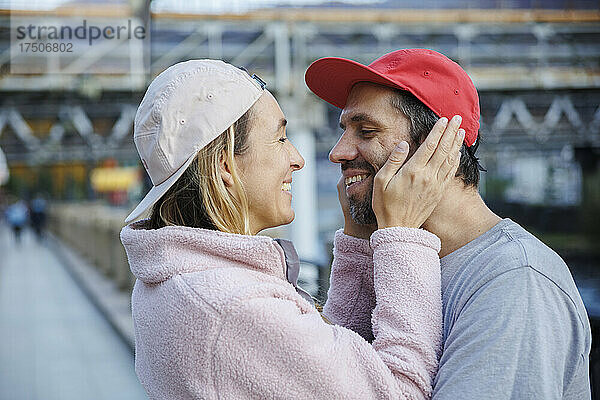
(422, 119)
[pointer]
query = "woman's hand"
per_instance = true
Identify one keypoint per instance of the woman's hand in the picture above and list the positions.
(351, 228)
(406, 195)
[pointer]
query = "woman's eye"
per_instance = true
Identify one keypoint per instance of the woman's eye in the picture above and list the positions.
(283, 139)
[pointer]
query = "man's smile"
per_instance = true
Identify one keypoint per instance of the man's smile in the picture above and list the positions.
(356, 178)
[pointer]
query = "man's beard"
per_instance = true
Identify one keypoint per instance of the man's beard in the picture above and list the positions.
(361, 209)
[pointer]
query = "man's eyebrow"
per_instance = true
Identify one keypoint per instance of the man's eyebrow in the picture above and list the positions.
(361, 117)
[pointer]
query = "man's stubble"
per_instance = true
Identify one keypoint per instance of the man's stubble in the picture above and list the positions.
(361, 208)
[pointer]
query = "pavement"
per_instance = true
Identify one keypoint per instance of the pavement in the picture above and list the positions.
(57, 340)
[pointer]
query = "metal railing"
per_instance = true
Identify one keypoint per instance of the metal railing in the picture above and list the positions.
(93, 232)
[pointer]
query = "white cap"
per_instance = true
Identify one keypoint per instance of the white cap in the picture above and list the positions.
(185, 108)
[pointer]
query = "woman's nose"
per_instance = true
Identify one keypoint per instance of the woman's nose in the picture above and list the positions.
(296, 161)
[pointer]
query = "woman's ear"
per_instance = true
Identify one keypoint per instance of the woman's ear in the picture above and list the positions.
(225, 170)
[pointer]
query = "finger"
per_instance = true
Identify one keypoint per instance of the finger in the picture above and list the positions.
(392, 165)
(427, 148)
(341, 188)
(452, 171)
(444, 148)
(453, 154)
(343, 197)
(341, 183)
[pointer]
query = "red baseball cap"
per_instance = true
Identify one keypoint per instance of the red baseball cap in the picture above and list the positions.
(440, 83)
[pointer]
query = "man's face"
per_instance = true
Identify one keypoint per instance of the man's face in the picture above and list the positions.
(371, 129)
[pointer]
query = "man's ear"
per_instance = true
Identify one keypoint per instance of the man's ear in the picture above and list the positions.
(225, 170)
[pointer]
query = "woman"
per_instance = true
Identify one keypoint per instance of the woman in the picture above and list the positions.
(215, 307)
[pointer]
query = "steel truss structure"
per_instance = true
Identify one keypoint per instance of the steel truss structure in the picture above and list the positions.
(69, 133)
(538, 75)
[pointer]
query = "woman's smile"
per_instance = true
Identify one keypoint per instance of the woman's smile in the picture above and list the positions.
(287, 187)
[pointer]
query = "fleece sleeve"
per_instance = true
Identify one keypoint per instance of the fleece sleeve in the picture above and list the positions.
(351, 295)
(273, 347)
(519, 336)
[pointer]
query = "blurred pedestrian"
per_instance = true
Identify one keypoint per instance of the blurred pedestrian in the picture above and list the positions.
(216, 307)
(17, 215)
(37, 216)
(4, 173)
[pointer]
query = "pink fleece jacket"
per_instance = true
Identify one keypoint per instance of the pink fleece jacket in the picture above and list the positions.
(215, 317)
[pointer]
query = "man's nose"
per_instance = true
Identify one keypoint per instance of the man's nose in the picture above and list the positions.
(344, 150)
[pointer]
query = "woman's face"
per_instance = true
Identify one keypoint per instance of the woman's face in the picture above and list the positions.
(266, 167)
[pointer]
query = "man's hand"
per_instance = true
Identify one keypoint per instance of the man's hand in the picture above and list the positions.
(351, 228)
(406, 195)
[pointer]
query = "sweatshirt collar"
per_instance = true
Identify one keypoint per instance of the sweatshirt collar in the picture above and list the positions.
(156, 255)
(292, 271)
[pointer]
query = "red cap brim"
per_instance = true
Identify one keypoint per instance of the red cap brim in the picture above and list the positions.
(332, 78)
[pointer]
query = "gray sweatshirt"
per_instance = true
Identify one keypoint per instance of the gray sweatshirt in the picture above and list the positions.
(514, 324)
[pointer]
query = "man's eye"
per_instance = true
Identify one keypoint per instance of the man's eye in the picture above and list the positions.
(367, 131)
(283, 139)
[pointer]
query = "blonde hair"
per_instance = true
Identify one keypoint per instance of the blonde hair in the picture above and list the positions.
(200, 198)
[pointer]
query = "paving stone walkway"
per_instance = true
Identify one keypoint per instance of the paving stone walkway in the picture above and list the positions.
(54, 344)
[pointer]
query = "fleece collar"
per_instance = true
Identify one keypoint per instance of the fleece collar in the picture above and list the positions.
(156, 255)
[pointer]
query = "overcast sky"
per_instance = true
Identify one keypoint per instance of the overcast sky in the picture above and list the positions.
(199, 6)
(30, 4)
(219, 6)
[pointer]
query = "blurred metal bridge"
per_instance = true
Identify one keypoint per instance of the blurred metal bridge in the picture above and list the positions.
(538, 73)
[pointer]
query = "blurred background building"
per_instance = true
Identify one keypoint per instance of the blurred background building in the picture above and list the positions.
(66, 119)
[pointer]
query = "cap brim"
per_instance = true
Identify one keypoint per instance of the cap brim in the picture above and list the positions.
(332, 78)
(158, 191)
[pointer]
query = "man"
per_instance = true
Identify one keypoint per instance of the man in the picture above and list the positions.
(514, 324)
